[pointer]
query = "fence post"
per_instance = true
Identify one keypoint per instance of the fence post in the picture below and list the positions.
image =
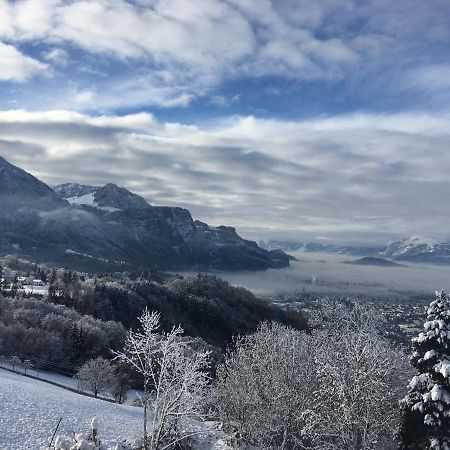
(53, 437)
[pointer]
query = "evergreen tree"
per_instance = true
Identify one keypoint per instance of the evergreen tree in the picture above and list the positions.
(429, 391)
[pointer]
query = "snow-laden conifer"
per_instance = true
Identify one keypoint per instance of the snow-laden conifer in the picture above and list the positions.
(429, 390)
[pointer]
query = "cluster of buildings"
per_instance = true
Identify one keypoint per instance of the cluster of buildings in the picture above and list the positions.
(28, 285)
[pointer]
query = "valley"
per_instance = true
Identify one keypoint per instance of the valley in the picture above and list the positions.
(328, 273)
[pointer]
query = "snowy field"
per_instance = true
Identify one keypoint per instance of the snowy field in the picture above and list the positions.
(30, 410)
(132, 397)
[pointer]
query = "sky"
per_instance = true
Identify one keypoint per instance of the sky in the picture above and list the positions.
(289, 119)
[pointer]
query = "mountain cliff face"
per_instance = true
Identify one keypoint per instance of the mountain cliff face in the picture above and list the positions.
(111, 224)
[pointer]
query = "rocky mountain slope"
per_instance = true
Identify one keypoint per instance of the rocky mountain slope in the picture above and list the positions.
(111, 224)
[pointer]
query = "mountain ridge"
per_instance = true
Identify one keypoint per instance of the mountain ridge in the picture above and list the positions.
(110, 196)
(116, 225)
(411, 249)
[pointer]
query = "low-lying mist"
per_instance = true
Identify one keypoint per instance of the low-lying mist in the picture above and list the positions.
(326, 273)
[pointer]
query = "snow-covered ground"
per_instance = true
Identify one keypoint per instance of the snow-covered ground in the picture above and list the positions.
(89, 199)
(132, 397)
(30, 410)
(64, 380)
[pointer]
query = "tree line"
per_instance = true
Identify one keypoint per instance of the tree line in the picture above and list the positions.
(205, 306)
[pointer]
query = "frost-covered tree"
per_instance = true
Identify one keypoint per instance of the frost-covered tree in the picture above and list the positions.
(175, 380)
(27, 364)
(96, 375)
(15, 361)
(360, 380)
(333, 389)
(264, 387)
(429, 391)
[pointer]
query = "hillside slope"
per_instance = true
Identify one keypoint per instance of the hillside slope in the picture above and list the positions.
(31, 409)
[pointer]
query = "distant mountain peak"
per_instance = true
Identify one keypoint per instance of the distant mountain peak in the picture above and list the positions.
(68, 190)
(413, 244)
(109, 197)
(418, 249)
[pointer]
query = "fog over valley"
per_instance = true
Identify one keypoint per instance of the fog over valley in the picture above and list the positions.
(327, 273)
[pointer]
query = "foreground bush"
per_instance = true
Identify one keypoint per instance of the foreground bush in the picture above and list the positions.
(337, 388)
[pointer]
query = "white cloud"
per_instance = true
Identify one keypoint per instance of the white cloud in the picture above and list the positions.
(430, 78)
(15, 66)
(203, 41)
(383, 174)
(173, 51)
(56, 56)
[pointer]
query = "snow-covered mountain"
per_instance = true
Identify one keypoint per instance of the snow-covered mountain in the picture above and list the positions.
(109, 197)
(413, 249)
(316, 247)
(418, 249)
(110, 223)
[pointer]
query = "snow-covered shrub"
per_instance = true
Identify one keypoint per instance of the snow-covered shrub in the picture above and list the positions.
(81, 441)
(429, 390)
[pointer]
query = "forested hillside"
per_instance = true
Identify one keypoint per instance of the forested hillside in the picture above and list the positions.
(54, 333)
(205, 306)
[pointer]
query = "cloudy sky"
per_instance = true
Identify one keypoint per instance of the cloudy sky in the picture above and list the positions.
(320, 120)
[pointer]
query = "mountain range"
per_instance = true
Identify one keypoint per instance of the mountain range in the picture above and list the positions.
(412, 249)
(317, 247)
(76, 225)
